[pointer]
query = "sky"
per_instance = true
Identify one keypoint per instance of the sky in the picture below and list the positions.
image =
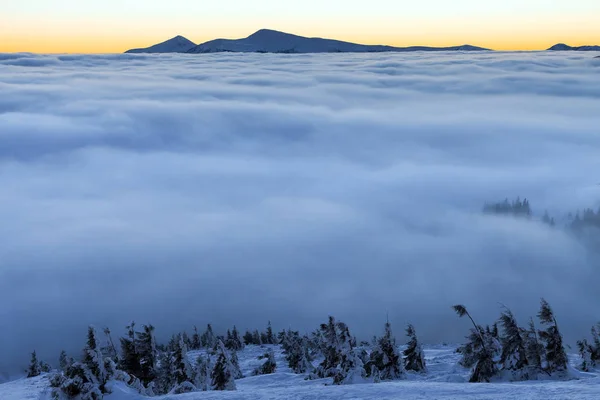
(237, 189)
(113, 26)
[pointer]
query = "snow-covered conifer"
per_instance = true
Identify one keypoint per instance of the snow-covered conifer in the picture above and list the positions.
(556, 357)
(269, 337)
(477, 352)
(203, 371)
(256, 338)
(34, 366)
(129, 362)
(352, 369)
(208, 338)
(196, 342)
(514, 356)
(414, 358)
(268, 366)
(222, 377)
(386, 357)
(533, 348)
(63, 360)
(248, 339)
(93, 360)
(182, 369)
(235, 365)
(147, 354)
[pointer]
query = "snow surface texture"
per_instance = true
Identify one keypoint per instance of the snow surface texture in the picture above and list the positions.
(237, 188)
(270, 41)
(445, 380)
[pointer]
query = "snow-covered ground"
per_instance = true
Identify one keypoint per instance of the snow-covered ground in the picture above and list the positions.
(444, 380)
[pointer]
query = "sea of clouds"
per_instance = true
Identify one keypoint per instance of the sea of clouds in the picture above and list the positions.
(237, 188)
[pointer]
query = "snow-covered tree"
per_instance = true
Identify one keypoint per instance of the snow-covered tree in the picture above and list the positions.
(109, 350)
(196, 342)
(203, 371)
(533, 348)
(386, 357)
(268, 366)
(334, 342)
(233, 341)
(208, 338)
(256, 338)
(585, 352)
(165, 374)
(590, 352)
(414, 358)
(34, 366)
(477, 353)
(182, 369)
(63, 361)
(248, 339)
(235, 364)
(222, 374)
(514, 356)
(93, 360)
(298, 356)
(147, 354)
(269, 337)
(129, 362)
(352, 369)
(556, 357)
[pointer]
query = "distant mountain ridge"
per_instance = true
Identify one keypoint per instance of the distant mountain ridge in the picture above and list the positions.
(271, 41)
(564, 47)
(178, 44)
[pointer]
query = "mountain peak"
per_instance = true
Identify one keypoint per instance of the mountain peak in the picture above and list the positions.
(269, 34)
(177, 44)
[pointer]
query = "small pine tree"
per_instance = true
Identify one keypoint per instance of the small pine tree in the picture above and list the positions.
(165, 376)
(585, 352)
(196, 342)
(533, 348)
(256, 338)
(34, 366)
(130, 362)
(352, 369)
(145, 344)
(298, 356)
(385, 357)
(556, 357)
(248, 339)
(203, 372)
(63, 361)
(183, 371)
(414, 358)
(208, 338)
(235, 365)
(270, 338)
(514, 357)
(477, 350)
(109, 350)
(93, 360)
(222, 376)
(269, 366)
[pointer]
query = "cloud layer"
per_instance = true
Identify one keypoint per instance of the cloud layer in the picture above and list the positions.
(231, 188)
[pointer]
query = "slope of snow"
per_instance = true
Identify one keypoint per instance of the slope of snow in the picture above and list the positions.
(564, 47)
(178, 44)
(445, 380)
(25, 389)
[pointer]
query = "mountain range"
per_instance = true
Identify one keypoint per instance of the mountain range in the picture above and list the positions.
(271, 41)
(564, 47)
